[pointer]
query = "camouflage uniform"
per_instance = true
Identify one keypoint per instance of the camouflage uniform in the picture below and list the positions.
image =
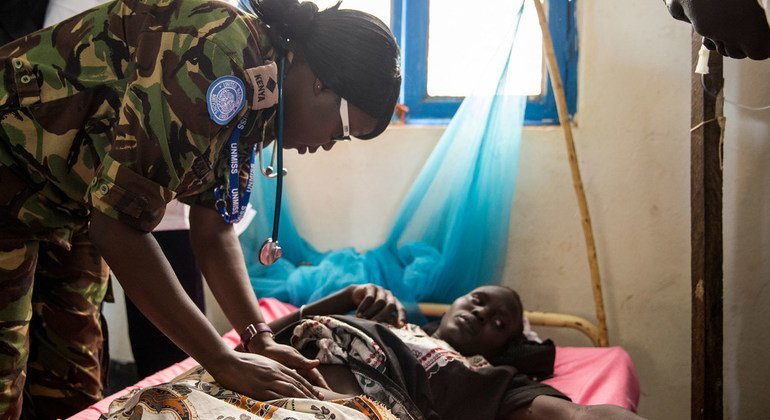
(106, 110)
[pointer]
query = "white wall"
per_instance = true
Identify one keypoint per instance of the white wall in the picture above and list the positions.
(747, 242)
(632, 140)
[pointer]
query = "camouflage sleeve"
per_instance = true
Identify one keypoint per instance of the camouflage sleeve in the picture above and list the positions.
(165, 141)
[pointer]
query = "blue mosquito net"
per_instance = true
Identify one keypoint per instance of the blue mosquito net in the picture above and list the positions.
(451, 232)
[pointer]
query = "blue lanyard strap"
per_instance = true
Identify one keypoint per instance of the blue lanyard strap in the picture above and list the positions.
(237, 203)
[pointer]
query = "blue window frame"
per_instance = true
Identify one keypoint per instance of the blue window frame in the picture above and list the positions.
(410, 24)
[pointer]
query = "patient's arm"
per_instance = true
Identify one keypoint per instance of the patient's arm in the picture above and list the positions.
(336, 303)
(369, 300)
(547, 407)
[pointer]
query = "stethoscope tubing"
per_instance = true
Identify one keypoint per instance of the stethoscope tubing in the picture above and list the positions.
(279, 152)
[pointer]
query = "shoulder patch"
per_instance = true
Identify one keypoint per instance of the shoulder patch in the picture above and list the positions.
(225, 98)
(264, 83)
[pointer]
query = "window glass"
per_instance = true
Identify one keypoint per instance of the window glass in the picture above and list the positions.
(462, 35)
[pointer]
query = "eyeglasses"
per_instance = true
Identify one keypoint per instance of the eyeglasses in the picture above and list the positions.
(345, 118)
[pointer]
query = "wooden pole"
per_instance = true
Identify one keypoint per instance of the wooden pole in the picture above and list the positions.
(577, 181)
(706, 238)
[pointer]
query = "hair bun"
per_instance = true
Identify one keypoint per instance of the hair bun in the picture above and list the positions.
(291, 19)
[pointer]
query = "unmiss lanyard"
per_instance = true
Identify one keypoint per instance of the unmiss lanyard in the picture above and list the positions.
(237, 203)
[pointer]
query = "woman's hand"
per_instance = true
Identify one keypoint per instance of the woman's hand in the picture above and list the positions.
(377, 303)
(288, 356)
(261, 378)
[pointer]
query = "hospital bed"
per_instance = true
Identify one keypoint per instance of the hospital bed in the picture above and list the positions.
(588, 375)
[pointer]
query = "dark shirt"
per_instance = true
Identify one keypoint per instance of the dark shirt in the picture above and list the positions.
(439, 382)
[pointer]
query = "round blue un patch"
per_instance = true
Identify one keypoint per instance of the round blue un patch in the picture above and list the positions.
(225, 98)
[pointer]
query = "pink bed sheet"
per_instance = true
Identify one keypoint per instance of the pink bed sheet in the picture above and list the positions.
(596, 375)
(588, 375)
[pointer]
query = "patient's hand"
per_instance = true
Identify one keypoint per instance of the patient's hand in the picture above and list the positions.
(377, 303)
(331, 395)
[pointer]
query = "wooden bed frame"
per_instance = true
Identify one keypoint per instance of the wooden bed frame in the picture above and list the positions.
(596, 332)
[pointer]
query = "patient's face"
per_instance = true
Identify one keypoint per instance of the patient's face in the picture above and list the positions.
(482, 322)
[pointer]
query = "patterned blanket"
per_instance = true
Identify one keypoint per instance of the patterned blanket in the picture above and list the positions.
(195, 395)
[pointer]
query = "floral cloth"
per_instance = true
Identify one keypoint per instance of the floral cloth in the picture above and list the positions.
(195, 395)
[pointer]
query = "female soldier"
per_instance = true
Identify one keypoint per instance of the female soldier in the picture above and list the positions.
(106, 117)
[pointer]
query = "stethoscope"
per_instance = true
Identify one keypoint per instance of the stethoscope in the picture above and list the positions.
(270, 251)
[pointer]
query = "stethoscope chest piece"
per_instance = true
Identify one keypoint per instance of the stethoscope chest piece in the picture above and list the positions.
(270, 252)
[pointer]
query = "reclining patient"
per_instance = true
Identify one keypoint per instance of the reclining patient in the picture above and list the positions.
(377, 366)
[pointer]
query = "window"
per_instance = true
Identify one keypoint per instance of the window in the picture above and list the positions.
(483, 33)
(441, 39)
